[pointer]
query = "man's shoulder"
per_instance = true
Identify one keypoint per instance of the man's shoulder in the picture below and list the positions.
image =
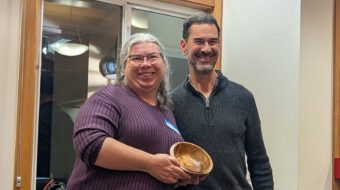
(230, 85)
(238, 88)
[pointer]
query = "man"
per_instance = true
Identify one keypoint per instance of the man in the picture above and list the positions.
(218, 114)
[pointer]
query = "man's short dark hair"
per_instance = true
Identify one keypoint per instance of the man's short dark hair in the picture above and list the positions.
(200, 18)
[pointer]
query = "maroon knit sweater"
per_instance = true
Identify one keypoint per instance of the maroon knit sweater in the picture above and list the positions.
(116, 111)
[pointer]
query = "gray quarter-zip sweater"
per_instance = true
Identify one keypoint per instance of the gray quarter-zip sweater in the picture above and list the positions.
(227, 126)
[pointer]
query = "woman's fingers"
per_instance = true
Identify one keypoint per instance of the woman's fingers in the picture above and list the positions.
(195, 180)
(165, 168)
(184, 175)
(174, 161)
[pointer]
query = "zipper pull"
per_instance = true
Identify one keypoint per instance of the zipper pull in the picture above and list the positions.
(207, 103)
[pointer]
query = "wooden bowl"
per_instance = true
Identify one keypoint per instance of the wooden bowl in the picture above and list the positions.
(192, 158)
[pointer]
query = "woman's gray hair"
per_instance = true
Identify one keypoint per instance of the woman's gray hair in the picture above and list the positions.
(163, 96)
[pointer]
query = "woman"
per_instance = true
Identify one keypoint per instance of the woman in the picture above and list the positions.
(123, 132)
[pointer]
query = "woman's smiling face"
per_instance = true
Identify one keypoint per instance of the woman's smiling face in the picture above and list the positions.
(144, 69)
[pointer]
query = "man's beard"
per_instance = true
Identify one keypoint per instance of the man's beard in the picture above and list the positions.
(201, 70)
(198, 68)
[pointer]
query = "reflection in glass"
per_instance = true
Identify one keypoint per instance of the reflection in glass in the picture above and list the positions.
(67, 81)
(107, 67)
(168, 30)
(72, 49)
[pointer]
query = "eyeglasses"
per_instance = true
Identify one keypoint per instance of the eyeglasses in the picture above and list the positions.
(152, 58)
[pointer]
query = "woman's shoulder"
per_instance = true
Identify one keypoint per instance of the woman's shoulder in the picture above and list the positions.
(110, 88)
(109, 93)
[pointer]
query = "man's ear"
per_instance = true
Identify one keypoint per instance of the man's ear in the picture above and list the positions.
(184, 47)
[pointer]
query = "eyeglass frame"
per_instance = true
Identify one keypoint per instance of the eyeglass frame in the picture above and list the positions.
(148, 58)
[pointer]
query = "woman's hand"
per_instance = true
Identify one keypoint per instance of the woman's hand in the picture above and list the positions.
(116, 155)
(166, 169)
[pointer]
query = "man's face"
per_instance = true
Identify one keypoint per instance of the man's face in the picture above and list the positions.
(202, 47)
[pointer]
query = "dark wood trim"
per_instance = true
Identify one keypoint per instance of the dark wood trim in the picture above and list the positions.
(30, 38)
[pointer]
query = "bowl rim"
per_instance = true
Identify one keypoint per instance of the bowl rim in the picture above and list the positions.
(206, 171)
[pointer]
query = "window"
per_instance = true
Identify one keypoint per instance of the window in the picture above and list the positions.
(160, 25)
(76, 37)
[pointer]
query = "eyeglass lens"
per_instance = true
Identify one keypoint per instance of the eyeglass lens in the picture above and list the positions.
(151, 58)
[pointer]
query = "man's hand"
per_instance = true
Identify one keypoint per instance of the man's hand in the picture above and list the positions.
(195, 180)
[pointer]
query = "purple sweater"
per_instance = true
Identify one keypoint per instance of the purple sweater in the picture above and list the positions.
(117, 112)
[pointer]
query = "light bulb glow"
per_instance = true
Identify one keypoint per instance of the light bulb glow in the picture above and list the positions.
(71, 49)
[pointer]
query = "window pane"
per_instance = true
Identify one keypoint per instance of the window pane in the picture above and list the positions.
(168, 29)
(79, 37)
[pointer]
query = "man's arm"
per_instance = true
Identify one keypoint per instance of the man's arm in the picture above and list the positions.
(257, 158)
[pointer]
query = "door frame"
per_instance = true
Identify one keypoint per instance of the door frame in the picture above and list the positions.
(336, 93)
(27, 96)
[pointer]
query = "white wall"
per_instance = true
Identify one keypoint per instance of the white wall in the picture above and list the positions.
(9, 64)
(261, 50)
(315, 100)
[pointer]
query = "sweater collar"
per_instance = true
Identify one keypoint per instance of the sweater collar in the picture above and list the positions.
(221, 82)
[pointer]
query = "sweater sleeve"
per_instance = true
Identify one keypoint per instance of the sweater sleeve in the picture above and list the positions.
(258, 161)
(96, 120)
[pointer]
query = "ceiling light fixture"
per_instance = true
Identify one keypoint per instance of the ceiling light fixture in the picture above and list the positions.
(71, 49)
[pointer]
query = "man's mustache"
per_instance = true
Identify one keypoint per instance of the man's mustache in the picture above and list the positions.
(204, 54)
